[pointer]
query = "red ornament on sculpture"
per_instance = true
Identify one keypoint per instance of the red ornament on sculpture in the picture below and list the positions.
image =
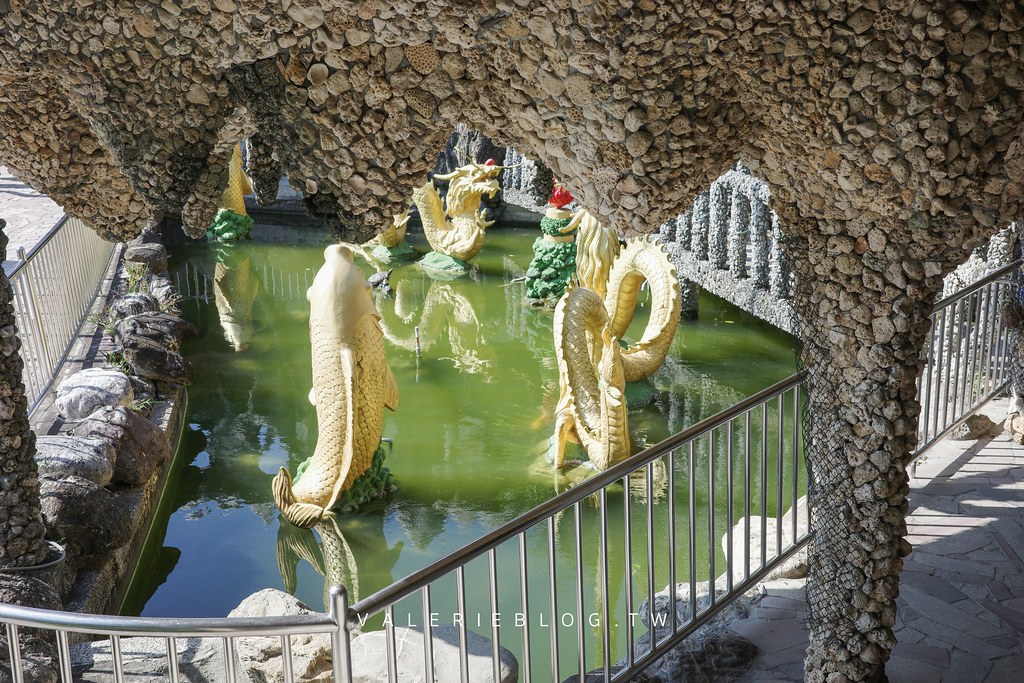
(559, 196)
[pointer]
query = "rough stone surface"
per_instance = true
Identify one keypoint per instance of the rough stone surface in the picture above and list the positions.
(163, 328)
(82, 393)
(890, 138)
(155, 362)
(86, 515)
(151, 255)
(88, 458)
(975, 427)
(261, 657)
(144, 660)
(134, 304)
(21, 526)
(369, 657)
(38, 647)
(140, 445)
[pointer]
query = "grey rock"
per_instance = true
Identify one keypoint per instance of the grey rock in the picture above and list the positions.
(163, 328)
(152, 255)
(155, 362)
(133, 304)
(163, 289)
(200, 660)
(975, 427)
(89, 458)
(89, 517)
(139, 444)
(38, 647)
(85, 391)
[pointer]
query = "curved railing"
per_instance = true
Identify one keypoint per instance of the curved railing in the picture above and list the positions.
(735, 478)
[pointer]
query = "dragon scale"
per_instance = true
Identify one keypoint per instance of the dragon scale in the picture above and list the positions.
(592, 367)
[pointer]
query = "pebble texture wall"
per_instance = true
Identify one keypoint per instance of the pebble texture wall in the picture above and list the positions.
(888, 131)
(21, 522)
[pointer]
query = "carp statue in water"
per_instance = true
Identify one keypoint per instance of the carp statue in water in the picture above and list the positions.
(352, 384)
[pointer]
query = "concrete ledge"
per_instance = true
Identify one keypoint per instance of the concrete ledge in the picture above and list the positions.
(99, 585)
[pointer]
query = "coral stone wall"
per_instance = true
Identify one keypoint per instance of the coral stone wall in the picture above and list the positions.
(896, 108)
(889, 133)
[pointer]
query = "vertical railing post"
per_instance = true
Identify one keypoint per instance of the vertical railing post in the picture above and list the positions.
(341, 654)
(33, 318)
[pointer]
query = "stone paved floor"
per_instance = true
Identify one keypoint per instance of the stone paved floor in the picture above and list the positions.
(29, 215)
(961, 604)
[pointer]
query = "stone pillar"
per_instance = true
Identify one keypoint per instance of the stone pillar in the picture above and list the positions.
(700, 219)
(689, 295)
(720, 199)
(21, 523)
(863, 306)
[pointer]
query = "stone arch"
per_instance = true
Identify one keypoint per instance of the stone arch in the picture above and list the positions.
(891, 136)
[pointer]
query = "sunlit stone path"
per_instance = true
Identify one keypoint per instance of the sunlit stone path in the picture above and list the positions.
(29, 214)
(961, 604)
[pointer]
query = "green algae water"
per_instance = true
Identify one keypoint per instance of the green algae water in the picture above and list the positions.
(468, 448)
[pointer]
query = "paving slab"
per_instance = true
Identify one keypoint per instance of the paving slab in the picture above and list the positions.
(961, 604)
(29, 214)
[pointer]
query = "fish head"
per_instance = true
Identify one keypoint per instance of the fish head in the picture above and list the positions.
(340, 295)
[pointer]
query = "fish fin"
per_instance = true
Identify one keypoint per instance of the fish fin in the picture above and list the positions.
(304, 515)
(348, 366)
(312, 396)
(390, 390)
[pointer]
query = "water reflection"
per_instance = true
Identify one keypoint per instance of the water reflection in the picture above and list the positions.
(345, 543)
(235, 288)
(470, 437)
(441, 313)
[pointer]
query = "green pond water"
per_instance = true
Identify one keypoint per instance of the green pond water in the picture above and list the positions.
(469, 451)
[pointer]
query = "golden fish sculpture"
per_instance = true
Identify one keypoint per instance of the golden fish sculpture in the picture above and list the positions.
(352, 384)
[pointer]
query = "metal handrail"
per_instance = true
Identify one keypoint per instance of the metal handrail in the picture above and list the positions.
(976, 286)
(54, 285)
(30, 254)
(975, 311)
(105, 624)
(408, 585)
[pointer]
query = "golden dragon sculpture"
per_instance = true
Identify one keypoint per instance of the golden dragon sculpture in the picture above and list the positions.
(352, 384)
(458, 230)
(593, 368)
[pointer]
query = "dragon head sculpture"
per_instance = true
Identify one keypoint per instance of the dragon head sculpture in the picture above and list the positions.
(467, 185)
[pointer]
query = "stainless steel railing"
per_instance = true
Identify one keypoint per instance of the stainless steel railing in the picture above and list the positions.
(54, 287)
(708, 512)
(966, 354)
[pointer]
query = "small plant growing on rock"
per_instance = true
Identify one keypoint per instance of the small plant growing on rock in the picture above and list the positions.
(142, 406)
(116, 359)
(169, 304)
(135, 277)
(106, 320)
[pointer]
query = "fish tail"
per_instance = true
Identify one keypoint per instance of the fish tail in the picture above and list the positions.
(304, 515)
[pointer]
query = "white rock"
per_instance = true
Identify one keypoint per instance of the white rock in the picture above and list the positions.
(83, 392)
(261, 657)
(741, 536)
(369, 657)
